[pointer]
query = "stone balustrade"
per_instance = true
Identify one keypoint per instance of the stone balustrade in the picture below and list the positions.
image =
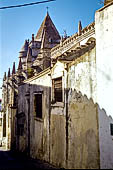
(73, 40)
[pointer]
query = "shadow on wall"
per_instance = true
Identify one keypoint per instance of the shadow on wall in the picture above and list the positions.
(66, 130)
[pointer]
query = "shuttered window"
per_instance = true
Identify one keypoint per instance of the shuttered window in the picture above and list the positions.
(111, 127)
(57, 83)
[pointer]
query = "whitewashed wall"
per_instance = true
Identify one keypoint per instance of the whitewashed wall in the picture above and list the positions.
(82, 76)
(104, 54)
(104, 57)
(106, 141)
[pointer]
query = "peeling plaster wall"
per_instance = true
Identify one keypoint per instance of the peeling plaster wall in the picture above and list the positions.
(58, 140)
(36, 130)
(22, 141)
(83, 147)
(82, 75)
(83, 133)
(58, 121)
(40, 128)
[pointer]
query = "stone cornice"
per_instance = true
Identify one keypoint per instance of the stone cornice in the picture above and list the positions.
(73, 40)
(47, 71)
(78, 52)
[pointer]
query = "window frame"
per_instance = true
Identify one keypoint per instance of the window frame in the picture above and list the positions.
(35, 113)
(54, 99)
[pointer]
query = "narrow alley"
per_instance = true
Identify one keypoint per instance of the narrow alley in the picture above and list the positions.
(10, 161)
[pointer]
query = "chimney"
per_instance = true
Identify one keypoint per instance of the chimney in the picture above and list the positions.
(79, 28)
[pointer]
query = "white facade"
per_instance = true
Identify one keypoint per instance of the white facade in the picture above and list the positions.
(106, 141)
(104, 48)
(104, 56)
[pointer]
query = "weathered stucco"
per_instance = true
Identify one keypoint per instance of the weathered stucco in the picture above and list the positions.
(82, 75)
(82, 112)
(58, 141)
(83, 133)
(36, 136)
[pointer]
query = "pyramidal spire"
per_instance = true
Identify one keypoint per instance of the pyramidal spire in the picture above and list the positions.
(14, 69)
(50, 29)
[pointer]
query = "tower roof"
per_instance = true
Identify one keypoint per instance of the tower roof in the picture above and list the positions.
(24, 49)
(50, 29)
(25, 46)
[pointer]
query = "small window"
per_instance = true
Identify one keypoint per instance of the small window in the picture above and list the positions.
(38, 105)
(111, 127)
(57, 85)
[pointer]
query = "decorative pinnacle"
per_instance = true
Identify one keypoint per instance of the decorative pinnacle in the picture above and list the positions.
(9, 73)
(14, 70)
(20, 65)
(79, 28)
(4, 76)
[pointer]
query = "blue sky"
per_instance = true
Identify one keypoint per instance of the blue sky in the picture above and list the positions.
(18, 24)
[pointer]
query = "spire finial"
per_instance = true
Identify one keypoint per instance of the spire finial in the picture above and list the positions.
(47, 10)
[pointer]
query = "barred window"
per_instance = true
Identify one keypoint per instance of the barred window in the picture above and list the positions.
(57, 85)
(111, 127)
(38, 105)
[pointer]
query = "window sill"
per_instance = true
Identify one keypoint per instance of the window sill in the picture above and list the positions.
(58, 104)
(39, 119)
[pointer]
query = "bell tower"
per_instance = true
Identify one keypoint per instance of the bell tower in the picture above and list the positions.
(107, 2)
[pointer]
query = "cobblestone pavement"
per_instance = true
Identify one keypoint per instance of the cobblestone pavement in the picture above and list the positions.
(14, 161)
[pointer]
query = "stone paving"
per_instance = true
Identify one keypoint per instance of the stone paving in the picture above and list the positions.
(13, 161)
